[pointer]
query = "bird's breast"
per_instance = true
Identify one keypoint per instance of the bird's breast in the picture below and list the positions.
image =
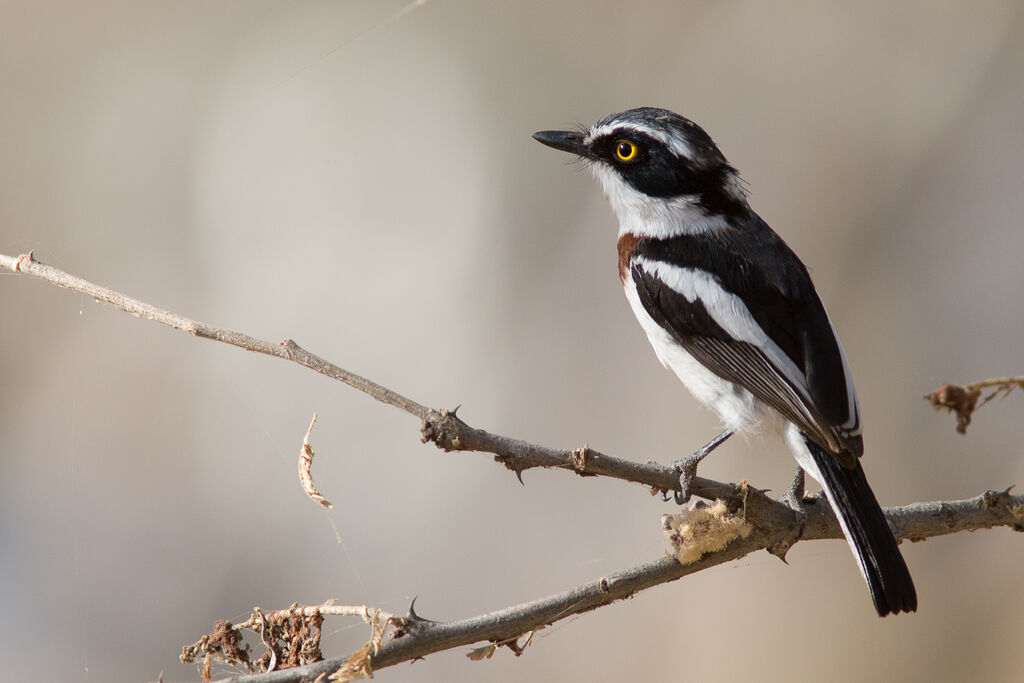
(738, 409)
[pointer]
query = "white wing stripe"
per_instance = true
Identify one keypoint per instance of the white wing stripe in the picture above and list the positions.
(728, 311)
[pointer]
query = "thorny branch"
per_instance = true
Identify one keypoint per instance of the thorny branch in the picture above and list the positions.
(441, 427)
(764, 523)
(417, 637)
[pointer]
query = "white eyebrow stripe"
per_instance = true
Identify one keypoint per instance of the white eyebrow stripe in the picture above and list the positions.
(678, 147)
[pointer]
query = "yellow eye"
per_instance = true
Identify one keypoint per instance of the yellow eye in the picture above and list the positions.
(625, 150)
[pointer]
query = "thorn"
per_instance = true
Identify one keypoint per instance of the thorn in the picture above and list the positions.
(415, 618)
(412, 616)
(781, 549)
(413, 622)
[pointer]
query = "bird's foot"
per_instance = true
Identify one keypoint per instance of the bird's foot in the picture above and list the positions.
(687, 467)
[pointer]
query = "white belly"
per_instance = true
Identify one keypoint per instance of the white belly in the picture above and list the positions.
(738, 409)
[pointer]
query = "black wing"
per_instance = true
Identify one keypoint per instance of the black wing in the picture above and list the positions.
(813, 389)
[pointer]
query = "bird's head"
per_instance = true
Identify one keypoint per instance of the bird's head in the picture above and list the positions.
(661, 172)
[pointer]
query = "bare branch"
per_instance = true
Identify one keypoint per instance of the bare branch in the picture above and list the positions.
(963, 400)
(773, 525)
(287, 349)
(440, 427)
(416, 637)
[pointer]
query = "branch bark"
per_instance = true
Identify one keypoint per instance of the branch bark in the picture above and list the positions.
(417, 637)
(773, 525)
(438, 426)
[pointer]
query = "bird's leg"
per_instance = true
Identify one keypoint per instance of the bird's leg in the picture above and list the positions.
(687, 467)
(794, 497)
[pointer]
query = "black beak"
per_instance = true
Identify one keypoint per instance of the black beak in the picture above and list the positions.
(564, 140)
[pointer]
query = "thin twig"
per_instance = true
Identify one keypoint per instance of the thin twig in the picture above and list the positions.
(287, 349)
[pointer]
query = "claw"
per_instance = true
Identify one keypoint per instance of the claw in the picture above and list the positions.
(687, 467)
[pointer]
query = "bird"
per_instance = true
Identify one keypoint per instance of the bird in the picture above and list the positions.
(732, 311)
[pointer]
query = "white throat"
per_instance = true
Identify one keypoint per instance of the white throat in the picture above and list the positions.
(656, 217)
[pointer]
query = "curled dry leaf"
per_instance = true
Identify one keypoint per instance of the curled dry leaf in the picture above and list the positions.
(305, 465)
(223, 643)
(355, 667)
(478, 654)
(360, 663)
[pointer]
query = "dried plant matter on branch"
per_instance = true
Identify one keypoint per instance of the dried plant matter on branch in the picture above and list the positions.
(305, 467)
(749, 520)
(770, 523)
(963, 400)
(290, 637)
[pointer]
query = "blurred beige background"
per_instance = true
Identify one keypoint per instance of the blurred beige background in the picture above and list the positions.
(363, 180)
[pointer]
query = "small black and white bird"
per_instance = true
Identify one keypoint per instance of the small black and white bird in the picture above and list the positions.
(732, 311)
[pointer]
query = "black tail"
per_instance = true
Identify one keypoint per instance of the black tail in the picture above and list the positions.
(867, 531)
